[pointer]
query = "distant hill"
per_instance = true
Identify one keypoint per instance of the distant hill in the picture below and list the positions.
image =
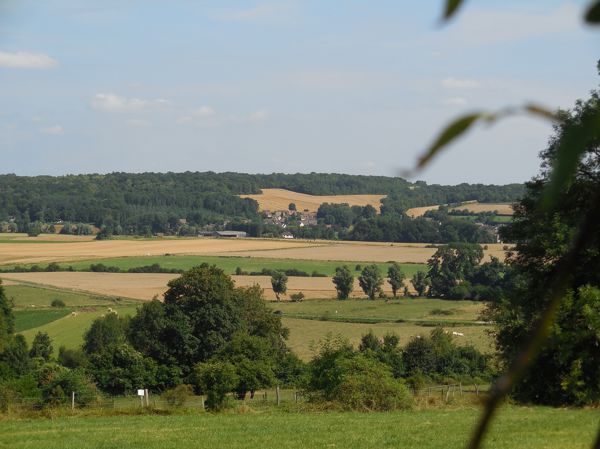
(172, 203)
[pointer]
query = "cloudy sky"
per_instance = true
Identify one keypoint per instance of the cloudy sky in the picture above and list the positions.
(289, 86)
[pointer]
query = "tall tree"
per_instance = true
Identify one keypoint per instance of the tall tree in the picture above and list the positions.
(567, 371)
(279, 283)
(451, 264)
(395, 277)
(370, 280)
(41, 346)
(420, 283)
(7, 319)
(343, 281)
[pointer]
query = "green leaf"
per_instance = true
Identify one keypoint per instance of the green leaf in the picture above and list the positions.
(593, 13)
(573, 144)
(541, 111)
(452, 7)
(448, 135)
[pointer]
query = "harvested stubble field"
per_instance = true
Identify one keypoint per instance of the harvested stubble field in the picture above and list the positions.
(148, 285)
(474, 206)
(280, 199)
(12, 253)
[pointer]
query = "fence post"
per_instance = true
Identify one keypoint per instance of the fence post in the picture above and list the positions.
(448, 393)
(277, 394)
(147, 396)
(296, 396)
(72, 400)
(202, 402)
(477, 389)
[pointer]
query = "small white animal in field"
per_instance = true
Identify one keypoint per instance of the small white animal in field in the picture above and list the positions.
(458, 334)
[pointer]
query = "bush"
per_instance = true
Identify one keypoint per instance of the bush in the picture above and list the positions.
(58, 303)
(216, 379)
(178, 396)
(297, 297)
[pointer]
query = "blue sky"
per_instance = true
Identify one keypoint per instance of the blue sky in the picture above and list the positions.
(287, 86)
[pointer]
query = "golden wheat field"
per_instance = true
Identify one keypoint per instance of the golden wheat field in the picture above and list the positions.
(145, 286)
(280, 199)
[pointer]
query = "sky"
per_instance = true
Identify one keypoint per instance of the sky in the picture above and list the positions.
(342, 86)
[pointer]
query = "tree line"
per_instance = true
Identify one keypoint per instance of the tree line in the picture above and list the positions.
(185, 203)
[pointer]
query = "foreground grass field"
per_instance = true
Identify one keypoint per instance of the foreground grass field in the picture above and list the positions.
(515, 427)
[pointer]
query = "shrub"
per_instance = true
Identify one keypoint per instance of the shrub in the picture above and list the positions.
(216, 379)
(178, 396)
(58, 303)
(297, 297)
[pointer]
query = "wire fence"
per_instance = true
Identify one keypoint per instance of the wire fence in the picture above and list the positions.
(263, 398)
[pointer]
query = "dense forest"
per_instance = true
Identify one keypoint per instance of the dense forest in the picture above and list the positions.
(183, 203)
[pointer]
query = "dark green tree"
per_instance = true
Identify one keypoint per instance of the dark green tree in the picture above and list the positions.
(292, 206)
(104, 332)
(41, 346)
(450, 265)
(568, 368)
(370, 280)
(7, 320)
(396, 277)
(343, 281)
(420, 283)
(279, 283)
(216, 379)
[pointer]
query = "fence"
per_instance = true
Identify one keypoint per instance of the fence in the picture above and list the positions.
(263, 398)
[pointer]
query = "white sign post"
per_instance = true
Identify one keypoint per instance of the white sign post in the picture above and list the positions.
(141, 394)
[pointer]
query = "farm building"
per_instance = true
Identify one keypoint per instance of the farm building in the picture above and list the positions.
(225, 234)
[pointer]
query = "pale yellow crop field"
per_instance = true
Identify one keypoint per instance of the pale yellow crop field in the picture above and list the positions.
(475, 207)
(146, 286)
(360, 251)
(471, 206)
(17, 253)
(96, 249)
(280, 199)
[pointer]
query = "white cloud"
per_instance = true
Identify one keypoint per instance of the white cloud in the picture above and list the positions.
(55, 130)
(454, 101)
(115, 103)
(457, 83)
(205, 115)
(260, 12)
(23, 60)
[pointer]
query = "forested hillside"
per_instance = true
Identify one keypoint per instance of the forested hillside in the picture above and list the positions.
(185, 202)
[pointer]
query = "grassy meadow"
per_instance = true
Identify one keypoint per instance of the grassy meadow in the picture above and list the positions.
(229, 264)
(515, 427)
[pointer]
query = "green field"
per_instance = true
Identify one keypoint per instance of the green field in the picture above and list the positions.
(26, 296)
(515, 427)
(68, 331)
(30, 319)
(229, 264)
